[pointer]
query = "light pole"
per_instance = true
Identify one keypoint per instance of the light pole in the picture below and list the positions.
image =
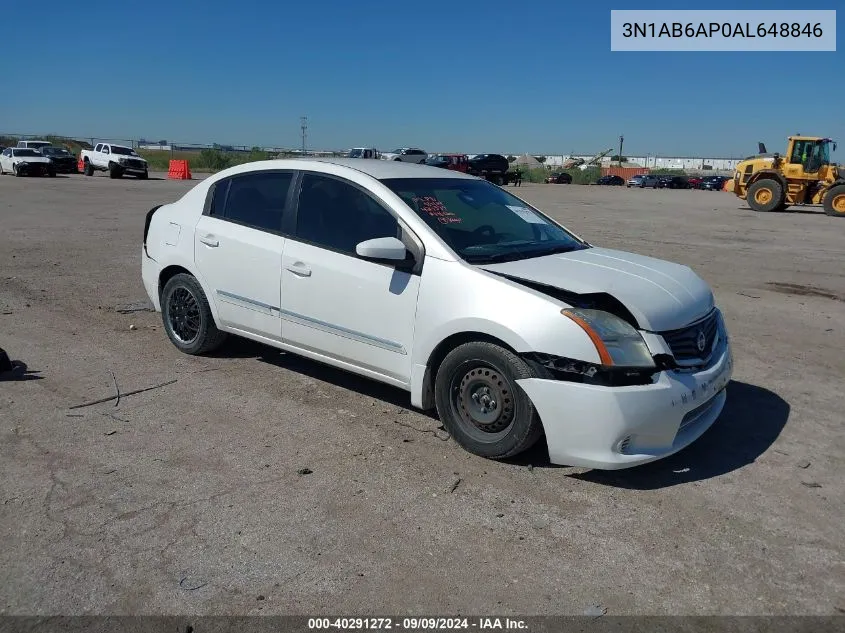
(621, 139)
(303, 124)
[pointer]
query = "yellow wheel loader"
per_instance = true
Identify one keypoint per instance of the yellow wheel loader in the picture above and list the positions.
(805, 175)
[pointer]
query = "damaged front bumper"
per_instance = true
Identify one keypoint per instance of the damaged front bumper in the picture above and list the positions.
(610, 428)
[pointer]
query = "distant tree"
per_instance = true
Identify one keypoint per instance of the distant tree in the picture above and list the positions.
(511, 158)
(541, 159)
(615, 159)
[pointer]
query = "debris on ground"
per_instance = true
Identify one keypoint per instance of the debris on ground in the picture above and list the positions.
(681, 470)
(595, 610)
(811, 484)
(137, 306)
(454, 485)
(304, 471)
(804, 464)
(191, 584)
(128, 393)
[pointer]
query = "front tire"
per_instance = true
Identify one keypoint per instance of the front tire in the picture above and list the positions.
(481, 405)
(765, 195)
(187, 316)
(114, 171)
(143, 176)
(16, 171)
(834, 201)
(88, 170)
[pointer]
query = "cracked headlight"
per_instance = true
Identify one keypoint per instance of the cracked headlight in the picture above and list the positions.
(617, 342)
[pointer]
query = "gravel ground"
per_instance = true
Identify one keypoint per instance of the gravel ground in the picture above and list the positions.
(262, 483)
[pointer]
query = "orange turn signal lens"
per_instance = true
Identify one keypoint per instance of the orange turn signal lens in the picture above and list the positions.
(601, 348)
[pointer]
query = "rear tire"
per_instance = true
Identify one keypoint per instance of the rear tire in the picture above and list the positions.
(765, 195)
(481, 405)
(834, 201)
(187, 316)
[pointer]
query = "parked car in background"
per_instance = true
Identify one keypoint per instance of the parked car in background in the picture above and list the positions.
(36, 145)
(455, 162)
(673, 182)
(118, 160)
(611, 180)
(559, 178)
(363, 152)
(23, 161)
(694, 181)
(513, 328)
(62, 159)
(643, 180)
(492, 167)
(406, 155)
(713, 183)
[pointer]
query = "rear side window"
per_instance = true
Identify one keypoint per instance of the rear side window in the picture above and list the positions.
(257, 200)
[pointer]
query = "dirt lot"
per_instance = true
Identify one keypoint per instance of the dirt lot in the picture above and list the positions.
(187, 499)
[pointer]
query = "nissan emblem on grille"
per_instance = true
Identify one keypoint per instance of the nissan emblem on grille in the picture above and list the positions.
(702, 340)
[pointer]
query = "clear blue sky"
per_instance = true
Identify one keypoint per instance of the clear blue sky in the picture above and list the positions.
(469, 76)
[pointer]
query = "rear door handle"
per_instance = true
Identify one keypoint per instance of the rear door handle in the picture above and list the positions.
(300, 269)
(209, 240)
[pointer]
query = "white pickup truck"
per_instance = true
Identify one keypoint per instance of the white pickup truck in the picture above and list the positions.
(115, 159)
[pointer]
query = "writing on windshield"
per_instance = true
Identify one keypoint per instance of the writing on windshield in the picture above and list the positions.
(481, 222)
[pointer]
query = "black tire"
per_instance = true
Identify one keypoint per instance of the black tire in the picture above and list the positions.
(88, 170)
(834, 201)
(187, 317)
(143, 176)
(51, 173)
(765, 195)
(511, 425)
(115, 171)
(16, 171)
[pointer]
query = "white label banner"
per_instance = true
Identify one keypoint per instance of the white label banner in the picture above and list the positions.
(716, 30)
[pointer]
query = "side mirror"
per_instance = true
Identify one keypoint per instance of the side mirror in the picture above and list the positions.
(389, 248)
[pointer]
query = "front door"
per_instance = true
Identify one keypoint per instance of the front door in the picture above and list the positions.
(238, 250)
(335, 303)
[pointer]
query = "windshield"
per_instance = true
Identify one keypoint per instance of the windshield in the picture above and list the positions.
(356, 153)
(481, 222)
(824, 154)
(26, 152)
(123, 151)
(54, 151)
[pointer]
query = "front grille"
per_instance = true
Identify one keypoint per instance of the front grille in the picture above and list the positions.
(684, 342)
(134, 164)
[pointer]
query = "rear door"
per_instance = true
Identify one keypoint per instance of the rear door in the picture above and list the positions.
(238, 246)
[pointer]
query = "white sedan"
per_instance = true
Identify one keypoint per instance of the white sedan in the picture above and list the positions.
(406, 155)
(22, 161)
(478, 304)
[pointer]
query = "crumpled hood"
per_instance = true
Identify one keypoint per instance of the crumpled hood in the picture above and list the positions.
(661, 295)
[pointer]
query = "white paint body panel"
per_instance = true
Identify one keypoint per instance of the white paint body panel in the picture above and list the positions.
(349, 309)
(379, 322)
(242, 269)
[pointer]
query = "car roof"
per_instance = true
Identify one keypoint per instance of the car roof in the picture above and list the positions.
(378, 169)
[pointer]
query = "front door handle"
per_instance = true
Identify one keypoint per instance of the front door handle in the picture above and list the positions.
(209, 240)
(300, 269)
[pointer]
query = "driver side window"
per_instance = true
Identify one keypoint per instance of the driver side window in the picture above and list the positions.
(337, 215)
